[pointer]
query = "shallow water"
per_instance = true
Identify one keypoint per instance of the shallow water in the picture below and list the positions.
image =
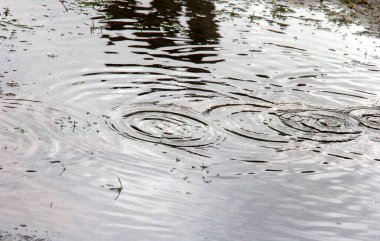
(223, 120)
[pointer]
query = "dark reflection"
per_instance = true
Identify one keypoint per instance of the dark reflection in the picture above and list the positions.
(164, 23)
(167, 14)
(202, 25)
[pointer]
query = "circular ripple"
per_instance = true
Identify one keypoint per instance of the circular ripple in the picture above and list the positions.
(316, 125)
(30, 128)
(246, 120)
(21, 126)
(367, 116)
(167, 126)
(262, 123)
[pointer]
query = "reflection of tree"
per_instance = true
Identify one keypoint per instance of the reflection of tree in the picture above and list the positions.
(168, 12)
(119, 10)
(202, 26)
(164, 16)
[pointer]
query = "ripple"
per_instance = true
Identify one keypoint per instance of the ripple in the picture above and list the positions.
(367, 116)
(286, 124)
(317, 125)
(173, 127)
(18, 135)
(246, 120)
(30, 128)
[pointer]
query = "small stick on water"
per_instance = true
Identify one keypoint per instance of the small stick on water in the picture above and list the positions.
(118, 189)
(121, 185)
(63, 169)
(74, 125)
(63, 3)
(203, 166)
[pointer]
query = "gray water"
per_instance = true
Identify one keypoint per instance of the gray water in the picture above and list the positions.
(187, 120)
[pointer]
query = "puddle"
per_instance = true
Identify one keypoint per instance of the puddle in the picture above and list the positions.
(188, 120)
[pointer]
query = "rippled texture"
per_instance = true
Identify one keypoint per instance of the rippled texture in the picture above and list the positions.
(31, 128)
(367, 116)
(318, 125)
(166, 126)
(187, 120)
(247, 121)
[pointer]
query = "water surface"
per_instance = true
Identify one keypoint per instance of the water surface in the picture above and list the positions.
(223, 120)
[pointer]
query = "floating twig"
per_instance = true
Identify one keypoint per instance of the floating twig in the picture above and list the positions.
(118, 189)
(203, 166)
(74, 125)
(2, 22)
(63, 3)
(63, 169)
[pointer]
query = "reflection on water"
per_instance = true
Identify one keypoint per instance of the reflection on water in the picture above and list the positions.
(159, 25)
(187, 120)
(161, 20)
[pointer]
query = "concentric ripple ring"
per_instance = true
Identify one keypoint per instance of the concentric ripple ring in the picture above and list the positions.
(168, 126)
(316, 125)
(367, 116)
(31, 127)
(285, 124)
(246, 120)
